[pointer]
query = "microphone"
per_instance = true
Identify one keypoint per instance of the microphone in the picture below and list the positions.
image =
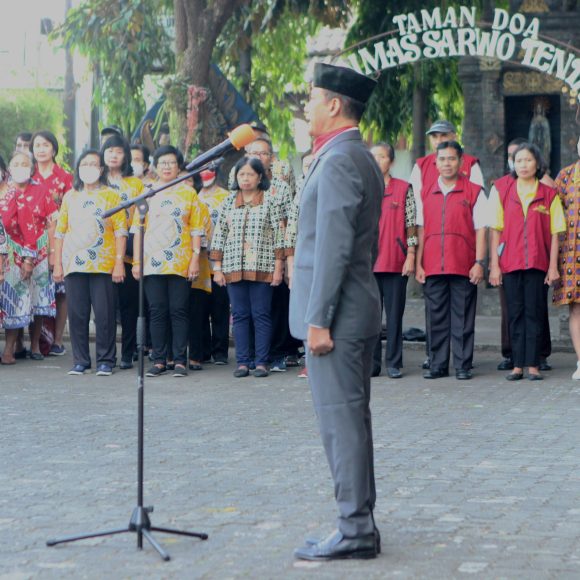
(238, 138)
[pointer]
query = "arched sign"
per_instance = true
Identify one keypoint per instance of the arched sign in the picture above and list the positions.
(455, 32)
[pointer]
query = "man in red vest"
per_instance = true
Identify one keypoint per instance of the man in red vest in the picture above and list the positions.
(425, 173)
(452, 220)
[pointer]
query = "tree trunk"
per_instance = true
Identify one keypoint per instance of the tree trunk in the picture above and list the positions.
(198, 24)
(419, 113)
(69, 100)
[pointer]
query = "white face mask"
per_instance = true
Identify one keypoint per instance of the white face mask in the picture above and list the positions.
(20, 174)
(208, 183)
(511, 164)
(89, 175)
(138, 169)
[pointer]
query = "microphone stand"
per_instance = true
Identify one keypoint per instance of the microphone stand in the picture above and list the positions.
(140, 522)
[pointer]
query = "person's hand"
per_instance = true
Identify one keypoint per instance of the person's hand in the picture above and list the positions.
(58, 273)
(476, 274)
(219, 278)
(420, 274)
(319, 341)
(495, 277)
(51, 260)
(409, 265)
(26, 269)
(119, 272)
(193, 269)
(136, 271)
(552, 276)
(289, 270)
(278, 274)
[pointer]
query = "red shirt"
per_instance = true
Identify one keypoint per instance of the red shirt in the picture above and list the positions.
(57, 183)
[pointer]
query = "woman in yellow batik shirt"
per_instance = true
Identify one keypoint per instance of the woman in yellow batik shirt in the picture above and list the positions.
(173, 232)
(89, 253)
(118, 174)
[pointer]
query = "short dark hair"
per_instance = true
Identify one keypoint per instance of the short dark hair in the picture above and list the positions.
(144, 151)
(351, 108)
(541, 166)
(50, 138)
(517, 141)
(77, 183)
(168, 150)
(24, 136)
(451, 145)
(117, 141)
(257, 166)
(263, 140)
(388, 148)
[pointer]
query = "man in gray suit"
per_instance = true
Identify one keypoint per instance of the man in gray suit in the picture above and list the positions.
(334, 303)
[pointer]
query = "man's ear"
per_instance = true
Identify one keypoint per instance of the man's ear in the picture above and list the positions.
(335, 107)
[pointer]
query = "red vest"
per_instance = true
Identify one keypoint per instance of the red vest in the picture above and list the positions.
(449, 233)
(526, 241)
(430, 173)
(392, 230)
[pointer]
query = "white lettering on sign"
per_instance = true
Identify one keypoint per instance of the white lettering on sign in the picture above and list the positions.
(440, 33)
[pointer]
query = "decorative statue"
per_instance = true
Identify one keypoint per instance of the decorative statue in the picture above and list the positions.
(540, 129)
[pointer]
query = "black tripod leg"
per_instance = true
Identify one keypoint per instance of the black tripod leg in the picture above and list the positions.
(149, 537)
(180, 533)
(86, 536)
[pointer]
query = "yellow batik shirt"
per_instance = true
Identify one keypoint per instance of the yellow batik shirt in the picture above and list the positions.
(203, 281)
(175, 215)
(88, 239)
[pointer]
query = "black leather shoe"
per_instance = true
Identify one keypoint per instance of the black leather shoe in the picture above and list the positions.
(507, 364)
(426, 364)
(376, 372)
(515, 376)
(535, 377)
(463, 375)
(310, 541)
(394, 373)
(125, 365)
(241, 371)
(435, 374)
(545, 365)
(337, 547)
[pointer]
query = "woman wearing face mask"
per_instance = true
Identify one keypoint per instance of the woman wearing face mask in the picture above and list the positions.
(118, 175)
(174, 229)
(248, 251)
(29, 215)
(527, 218)
(89, 252)
(44, 149)
(140, 161)
(567, 289)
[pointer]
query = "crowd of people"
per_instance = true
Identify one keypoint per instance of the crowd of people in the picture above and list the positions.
(214, 256)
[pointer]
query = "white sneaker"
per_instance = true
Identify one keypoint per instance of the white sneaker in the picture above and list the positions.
(576, 375)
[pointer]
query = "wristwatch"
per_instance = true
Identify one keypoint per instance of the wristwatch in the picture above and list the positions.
(480, 262)
(196, 251)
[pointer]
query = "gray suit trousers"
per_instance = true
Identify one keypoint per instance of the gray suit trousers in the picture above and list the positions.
(341, 388)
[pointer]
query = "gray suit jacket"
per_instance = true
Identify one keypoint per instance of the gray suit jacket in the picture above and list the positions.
(333, 285)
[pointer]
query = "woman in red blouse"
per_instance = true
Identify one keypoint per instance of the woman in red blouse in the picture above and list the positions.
(57, 181)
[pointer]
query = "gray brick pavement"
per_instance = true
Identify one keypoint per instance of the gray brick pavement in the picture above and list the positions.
(476, 479)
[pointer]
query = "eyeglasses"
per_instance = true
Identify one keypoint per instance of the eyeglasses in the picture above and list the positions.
(167, 164)
(98, 165)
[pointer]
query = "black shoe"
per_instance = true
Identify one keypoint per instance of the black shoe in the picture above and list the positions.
(241, 371)
(310, 541)
(515, 376)
(435, 374)
(337, 547)
(376, 372)
(462, 375)
(426, 364)
(535, 377)
(180, 371)
(394, 373)
(261, 372)
(507, 364)
(155, 371)
(170, 366)
(220, 361)
(195, 366)
(545, 365)
(126, 365)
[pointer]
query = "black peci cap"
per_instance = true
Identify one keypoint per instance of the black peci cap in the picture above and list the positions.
(344, 81)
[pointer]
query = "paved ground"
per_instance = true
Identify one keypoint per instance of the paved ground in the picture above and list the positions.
(475, 479)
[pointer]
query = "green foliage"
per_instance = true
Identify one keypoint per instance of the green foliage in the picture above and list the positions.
(29, 110)
(390, 111)
(124, 40)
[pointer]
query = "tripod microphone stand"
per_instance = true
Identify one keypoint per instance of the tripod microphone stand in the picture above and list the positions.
(140, 522)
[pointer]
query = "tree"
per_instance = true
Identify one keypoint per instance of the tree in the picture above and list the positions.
(124, 41)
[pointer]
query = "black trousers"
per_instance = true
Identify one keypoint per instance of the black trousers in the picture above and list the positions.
(451, 302)
(546, 339)
(216, 324)
(168, 297)
(526, 299)
(83, 292)
(393, 289)
(283, 343)
(128, 300)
